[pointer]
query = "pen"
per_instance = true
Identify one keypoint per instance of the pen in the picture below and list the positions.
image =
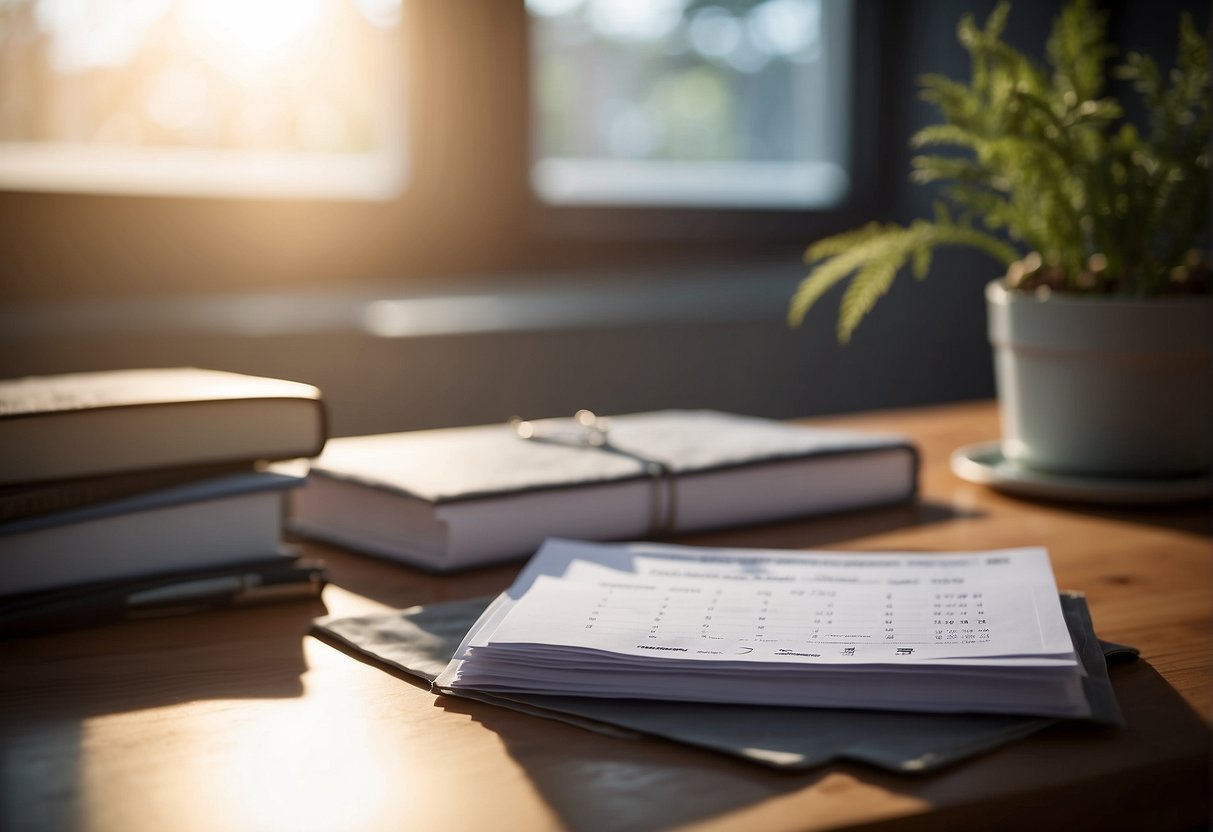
(169, 595)
(225, 590)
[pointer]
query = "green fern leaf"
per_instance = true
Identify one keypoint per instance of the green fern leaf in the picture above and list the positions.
(830, 272)
(974, 238)
(839, 243)
(921, 261)
(1077, 49)
(870, 284)
(943, 134)
(934, 168)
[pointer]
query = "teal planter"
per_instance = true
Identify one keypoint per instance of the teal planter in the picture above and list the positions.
(1103, 385)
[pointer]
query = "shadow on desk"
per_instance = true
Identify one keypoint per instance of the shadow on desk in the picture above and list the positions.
(1068, 777)
(1193, 518)
(636, 783)
(132, 671)
(136, 665)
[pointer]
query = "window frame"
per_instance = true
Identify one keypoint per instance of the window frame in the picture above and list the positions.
(683, 227)
(467, 207)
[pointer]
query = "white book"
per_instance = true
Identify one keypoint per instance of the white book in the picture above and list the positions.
(462, 497)
(210, 523)
(120, 421)
(979, 632)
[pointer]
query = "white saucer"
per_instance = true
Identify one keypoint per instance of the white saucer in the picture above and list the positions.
(984, 463)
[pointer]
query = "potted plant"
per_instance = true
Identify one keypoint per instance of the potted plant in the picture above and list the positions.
(1101, 323)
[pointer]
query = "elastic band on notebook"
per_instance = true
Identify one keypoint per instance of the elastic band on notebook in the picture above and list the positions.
(591, 431)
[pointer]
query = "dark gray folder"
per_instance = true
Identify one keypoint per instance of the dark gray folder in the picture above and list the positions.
(421, 640)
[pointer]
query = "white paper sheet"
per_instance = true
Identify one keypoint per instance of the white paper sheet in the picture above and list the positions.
(790, 607)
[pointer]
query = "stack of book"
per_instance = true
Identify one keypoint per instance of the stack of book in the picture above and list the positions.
(143, 489)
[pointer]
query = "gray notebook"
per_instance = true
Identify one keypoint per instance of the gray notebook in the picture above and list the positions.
(421, 640)
(457, 498)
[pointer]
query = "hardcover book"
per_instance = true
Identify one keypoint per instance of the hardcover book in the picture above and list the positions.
(463, 497)
(90, 424)
(217, 522)
(21, 501)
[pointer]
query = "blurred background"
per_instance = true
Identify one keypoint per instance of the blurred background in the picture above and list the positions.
(450, 213)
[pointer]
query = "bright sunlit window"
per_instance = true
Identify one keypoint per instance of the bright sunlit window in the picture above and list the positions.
(743, 103)
(268, 98)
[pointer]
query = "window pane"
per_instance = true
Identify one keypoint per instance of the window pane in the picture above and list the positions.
(681, 102)
(231, 97)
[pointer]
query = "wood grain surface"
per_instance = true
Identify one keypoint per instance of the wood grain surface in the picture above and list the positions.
(238, 720)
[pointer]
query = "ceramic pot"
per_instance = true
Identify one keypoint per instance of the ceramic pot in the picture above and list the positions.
(1104, 386)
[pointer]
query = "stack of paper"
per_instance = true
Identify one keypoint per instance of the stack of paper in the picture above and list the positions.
(970, 632)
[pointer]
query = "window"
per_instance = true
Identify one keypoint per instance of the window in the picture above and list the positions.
(689, 103)
(318, 142)
(283, 98)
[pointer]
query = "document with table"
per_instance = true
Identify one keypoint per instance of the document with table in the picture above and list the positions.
(980, 632)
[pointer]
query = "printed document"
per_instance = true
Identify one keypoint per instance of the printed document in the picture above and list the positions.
(783, 627)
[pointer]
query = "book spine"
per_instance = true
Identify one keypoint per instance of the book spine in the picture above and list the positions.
(22, 502)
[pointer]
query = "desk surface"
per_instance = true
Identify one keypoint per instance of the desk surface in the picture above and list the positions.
(237, 720)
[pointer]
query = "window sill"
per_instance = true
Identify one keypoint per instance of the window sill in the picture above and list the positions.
(453, 306)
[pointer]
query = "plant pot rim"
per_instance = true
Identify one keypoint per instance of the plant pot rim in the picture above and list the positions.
(1149, 328)
(997, 292)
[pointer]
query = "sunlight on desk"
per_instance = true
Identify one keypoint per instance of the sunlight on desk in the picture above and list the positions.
(837, 796)
(283, 761)
(310, 763)
(340, 601)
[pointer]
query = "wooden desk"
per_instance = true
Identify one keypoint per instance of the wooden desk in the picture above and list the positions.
(237, 720)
